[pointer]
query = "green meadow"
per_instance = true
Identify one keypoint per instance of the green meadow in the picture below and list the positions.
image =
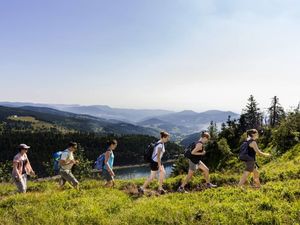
(277, 202)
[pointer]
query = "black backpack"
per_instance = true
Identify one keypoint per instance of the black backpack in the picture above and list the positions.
(244, 152)
(149, 151)
(188, 150)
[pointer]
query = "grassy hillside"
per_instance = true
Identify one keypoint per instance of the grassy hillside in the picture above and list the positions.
(277, 202)
(37, 125)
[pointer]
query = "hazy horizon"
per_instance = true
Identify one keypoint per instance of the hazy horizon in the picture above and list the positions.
(174, 55)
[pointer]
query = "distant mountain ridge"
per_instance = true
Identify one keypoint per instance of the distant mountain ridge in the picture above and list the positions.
(179, 124)
(83, 123)
(188, 122)
(102, 111)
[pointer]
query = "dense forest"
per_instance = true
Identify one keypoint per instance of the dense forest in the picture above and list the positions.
(43, 144)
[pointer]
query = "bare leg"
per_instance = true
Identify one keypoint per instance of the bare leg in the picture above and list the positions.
(244, 178)
(109, 184)
(150, 178)
(205, 172)
(162, 174)
(256, 178)
(187, 178)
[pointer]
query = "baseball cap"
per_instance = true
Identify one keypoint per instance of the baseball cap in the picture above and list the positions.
(23, 146)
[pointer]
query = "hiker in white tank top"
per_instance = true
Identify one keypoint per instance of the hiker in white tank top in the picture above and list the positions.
(156, 164)
(155, 151)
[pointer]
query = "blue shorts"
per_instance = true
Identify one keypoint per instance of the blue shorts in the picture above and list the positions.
(106, 175)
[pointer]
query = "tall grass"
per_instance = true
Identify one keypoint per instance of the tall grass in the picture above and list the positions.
(277, 202)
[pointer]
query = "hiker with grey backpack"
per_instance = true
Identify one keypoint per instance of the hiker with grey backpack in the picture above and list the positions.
(194, 153)
(153, 155)
(248, 151)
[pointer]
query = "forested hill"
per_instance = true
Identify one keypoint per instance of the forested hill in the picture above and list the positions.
(49, 130)
(71, 121)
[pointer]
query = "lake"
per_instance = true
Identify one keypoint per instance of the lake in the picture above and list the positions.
(139, 171)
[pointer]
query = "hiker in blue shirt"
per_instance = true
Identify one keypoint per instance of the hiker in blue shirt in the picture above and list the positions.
(107, 172)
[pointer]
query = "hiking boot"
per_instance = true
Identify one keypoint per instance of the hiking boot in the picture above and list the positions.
(181, 190)
(141, 190)
(210, 185)
(162, 191)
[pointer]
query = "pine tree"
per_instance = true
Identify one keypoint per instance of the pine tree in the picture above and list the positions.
(276, 112)
(213, 130)
(251, 116)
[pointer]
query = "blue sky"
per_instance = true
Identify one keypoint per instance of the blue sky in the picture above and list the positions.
(168, 54)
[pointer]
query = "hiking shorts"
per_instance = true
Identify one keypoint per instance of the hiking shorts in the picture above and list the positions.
(250, 166)
(106, 176)
(67, 175)
(193, 166)
(154, 166)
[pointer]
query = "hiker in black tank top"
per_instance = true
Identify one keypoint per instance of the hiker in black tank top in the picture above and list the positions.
(250, 165)
(196, 158)
(196, 163)
(251, 151)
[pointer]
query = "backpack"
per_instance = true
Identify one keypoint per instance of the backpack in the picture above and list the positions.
(244, 155)
(99, 163)
(56, 156)
(188, 150)
(149, 151)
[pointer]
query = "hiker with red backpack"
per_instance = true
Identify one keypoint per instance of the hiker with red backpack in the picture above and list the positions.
(156, 165)
(248, 152)
(194, 154)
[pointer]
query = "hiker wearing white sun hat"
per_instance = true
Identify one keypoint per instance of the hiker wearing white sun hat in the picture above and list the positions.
(21, 168)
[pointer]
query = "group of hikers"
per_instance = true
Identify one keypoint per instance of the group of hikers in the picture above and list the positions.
(249, 149)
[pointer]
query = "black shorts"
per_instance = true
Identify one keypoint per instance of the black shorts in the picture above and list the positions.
(154, 166)
(250, 166)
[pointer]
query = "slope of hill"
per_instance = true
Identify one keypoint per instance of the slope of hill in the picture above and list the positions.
(190, 139)
(188, 122)
(162, 125)
(192, 119)
(277, 202)
(102, 111)
(77, 122)
(179, 124)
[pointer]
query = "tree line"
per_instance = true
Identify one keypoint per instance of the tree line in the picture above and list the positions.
(44, 143)
(279, 129)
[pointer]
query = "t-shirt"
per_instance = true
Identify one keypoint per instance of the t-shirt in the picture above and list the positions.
(155, 151)
(67, 156)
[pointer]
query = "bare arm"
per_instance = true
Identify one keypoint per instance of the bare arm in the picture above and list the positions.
(30, 168)
(159, 150)
(253, 145)
(15, 168)
(198, 150)
(66, 162)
